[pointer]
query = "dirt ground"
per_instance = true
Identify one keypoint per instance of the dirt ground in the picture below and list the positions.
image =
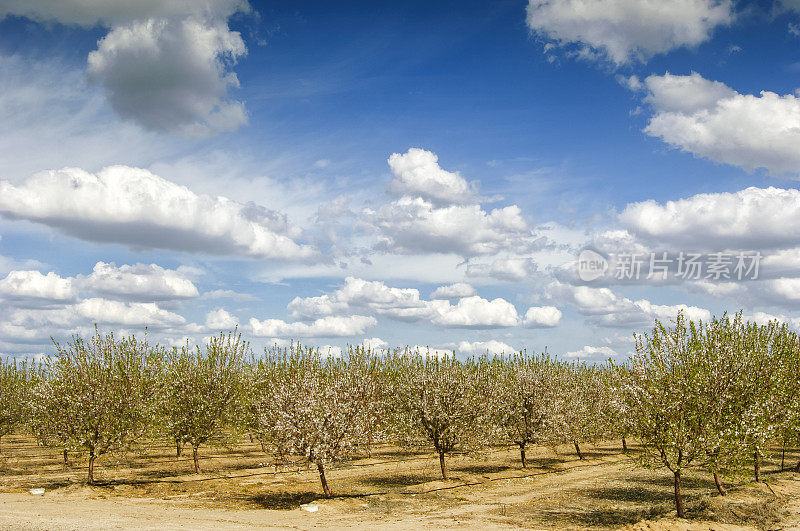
(241, 487)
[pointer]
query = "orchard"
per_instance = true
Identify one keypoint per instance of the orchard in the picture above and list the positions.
(711, 396)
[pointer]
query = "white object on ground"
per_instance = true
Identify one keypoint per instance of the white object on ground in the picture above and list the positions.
(37, 492)
(310, 507)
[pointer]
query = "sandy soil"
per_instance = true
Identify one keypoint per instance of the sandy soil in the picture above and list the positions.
(241, 487)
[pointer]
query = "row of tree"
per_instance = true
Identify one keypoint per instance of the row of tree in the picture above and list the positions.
(711, 395)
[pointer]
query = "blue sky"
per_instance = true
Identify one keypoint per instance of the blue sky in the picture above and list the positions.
(314, 171)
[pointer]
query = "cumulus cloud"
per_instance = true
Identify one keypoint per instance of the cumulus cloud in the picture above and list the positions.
(139, 282)
(135, 207)
(228, 294)
(454, 291)
(605, 308)
(512, 269)
(97, 310)
(754, 218)
(220, 319)
(356, 293)
(438, 213)
(374, 344)
(89, 13)
(491, 347)
(765, 318)
(782, 291)
(405, 304)
(331, 326)
(475, 312)
(414, 225)
(34, 285)
(590, 352)
(417, 174)
(626, 30)
(430, 352)
(165, 65)
(542, 317)
(330, 351)
(171, 74)
(713, 121)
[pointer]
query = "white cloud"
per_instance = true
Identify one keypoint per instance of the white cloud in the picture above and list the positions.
(164, 65)
(763, 318)
(171, 74)
(474, 312)
(375, 344)
(413, 225)
(428, 352)
(712, 121)
(786, 288)
(135, 207)
(591, 352)
(605, 308)
(97, 310)
(542, 317)
(129, 314)
(356, 293)
(220, 319)
(491, 347)
(417, 174)
(405, 304)
(331, 326)
(512, 269)
(228, 294)
(754, 218)
(791, 4)
(110, 12)
(685, 94)
(626, 30)
(34, 285)
(140, 282)
(330, 351)
(454, 291)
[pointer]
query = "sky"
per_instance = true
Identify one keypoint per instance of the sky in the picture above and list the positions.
(463, 177)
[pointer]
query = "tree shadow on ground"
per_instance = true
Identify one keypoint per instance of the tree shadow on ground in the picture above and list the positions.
(547, 463)
(634, 493)
(398, 480)
(482, 469)
(606, 516)
(687, 482)
(286, 501)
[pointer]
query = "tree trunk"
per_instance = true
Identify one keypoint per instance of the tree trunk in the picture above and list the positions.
(578, 451)
(797, 467)
(442, 465)
(66, 458)
(522, 455)
(718, 483)
(325, 489)
(624, 445)
(756, 466)
(783, 454)
(1, 447)
(196, 460)
(678, 495)
(92, 457)
(178, 448)
(263, 446)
